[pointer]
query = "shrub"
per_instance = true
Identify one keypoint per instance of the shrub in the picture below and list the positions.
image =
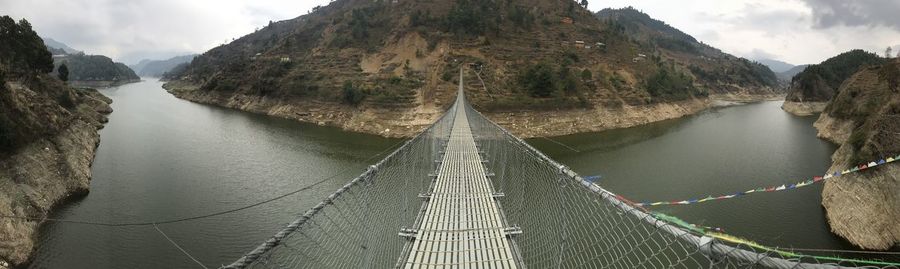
(669, 84)
(539, 80)
(586, 75)
(352, 94)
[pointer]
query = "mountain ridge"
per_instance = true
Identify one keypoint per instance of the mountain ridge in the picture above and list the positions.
(358, 60)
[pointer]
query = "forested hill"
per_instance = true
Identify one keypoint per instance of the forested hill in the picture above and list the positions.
(88, 69)
(714, 68)
(819, 82)
(95, 68)
(535, 55)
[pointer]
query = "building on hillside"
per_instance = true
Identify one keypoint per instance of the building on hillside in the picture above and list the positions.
(579, 44)
(285, 59)
(599, 44)
(567, 20)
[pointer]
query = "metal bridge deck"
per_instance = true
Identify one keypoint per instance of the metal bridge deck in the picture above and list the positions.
(462, 225)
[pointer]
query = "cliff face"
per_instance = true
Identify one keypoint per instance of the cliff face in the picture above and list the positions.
(45, 169)
(48, 134)
(378, 61)
(864, 118)
(811, 89)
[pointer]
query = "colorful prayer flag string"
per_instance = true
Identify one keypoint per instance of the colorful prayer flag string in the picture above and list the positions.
(783, 187)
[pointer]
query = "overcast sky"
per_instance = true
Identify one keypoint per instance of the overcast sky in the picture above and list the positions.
(795, 31)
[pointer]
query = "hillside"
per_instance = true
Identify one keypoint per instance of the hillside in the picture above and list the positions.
(719, 71)
(156, 68)
(95, 70)
(811, 89)
(387, 68)
(864, 119)
(88, 70)
(48, 134)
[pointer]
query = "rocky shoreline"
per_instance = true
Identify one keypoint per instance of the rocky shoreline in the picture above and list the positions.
(861, 207)
(46, 172)
(101, 83)
(405, 123)
(804, 108)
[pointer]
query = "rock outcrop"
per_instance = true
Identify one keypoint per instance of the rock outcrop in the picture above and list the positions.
(864, 119)
(49, 168)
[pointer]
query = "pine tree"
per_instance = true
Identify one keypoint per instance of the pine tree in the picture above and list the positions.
(63, 72)
(584, 3)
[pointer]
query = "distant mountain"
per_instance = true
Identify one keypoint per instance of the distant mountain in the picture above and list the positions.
(59, 46)
(776, 65)
(789, 74)
(156, 68)
(139, 66)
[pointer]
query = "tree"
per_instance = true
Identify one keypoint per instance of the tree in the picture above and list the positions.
(539, 80)
(584, 3)
(352, 95)
(63, 72)
(23, 50)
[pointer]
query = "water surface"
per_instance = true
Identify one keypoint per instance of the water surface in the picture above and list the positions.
(164, 158)
(717, 152)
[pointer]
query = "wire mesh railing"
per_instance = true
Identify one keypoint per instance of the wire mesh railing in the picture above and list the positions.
(565, 221)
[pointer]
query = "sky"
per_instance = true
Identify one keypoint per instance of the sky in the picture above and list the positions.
(794, 31)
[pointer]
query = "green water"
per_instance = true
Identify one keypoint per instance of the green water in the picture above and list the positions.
(717, 152)
(164, 158)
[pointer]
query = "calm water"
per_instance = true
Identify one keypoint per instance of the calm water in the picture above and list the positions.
(163, 158)
(717, 152)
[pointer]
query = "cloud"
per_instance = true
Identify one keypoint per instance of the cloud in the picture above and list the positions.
(871, 13)
(129, 31)
(761, 54)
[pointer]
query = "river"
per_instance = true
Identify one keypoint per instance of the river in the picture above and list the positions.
(164, 158)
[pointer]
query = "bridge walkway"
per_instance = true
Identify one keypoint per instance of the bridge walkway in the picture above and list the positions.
(462, 225)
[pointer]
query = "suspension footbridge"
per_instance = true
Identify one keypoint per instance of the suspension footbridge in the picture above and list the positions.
(465, 193)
